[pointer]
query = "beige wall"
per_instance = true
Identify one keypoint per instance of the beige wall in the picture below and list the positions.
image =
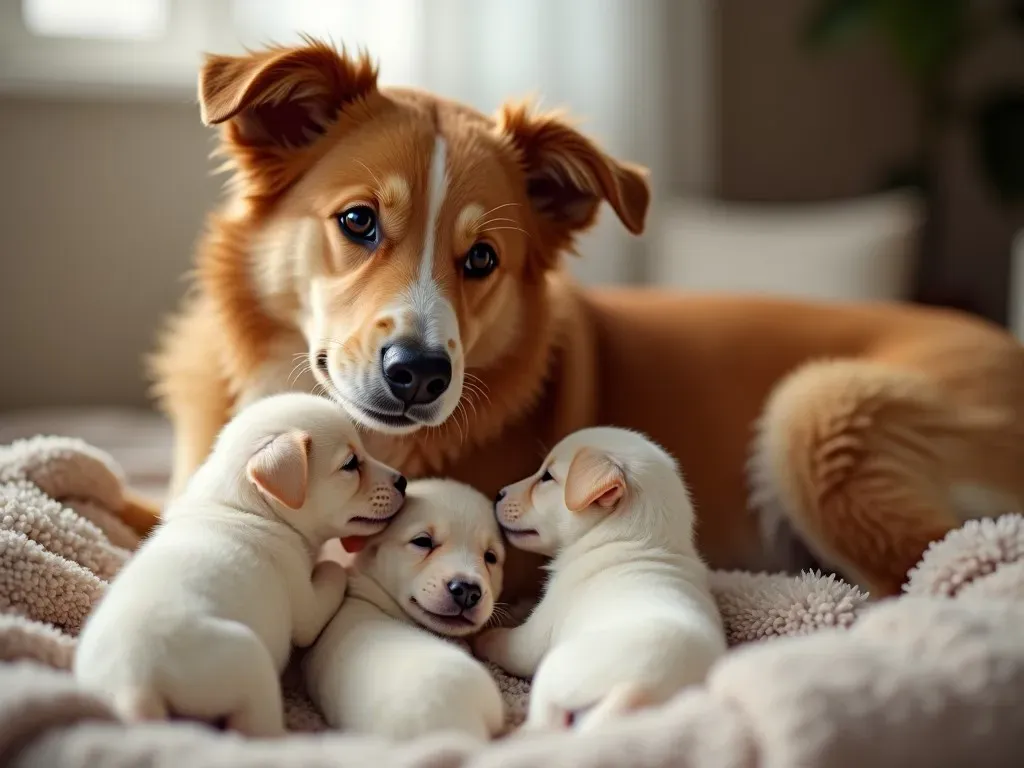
(100, 207)
(796, 126)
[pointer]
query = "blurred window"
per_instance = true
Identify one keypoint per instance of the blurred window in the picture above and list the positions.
(387, 28)
(103, 19)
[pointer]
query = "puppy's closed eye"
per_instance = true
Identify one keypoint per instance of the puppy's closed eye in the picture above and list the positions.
(352, 465)
(423, 541)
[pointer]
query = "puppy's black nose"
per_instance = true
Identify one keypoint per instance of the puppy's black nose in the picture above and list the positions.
(414, 374)
(501, 495)
(465, 593)
(401, 484)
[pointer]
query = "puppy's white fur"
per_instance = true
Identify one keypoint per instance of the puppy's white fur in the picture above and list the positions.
(376, 669)
(201, 621)
(627, 619)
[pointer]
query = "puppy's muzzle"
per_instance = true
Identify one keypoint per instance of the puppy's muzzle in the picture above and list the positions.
(465, 594)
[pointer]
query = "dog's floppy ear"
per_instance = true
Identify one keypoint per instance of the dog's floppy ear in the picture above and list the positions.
(567, 175)
(280, 469)
(593, 479)
(279, 99)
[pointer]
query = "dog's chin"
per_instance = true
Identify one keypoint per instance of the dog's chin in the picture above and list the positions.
(458, 625)
(374, 419)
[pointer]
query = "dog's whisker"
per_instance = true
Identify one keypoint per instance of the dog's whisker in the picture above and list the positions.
(500, 613)
(476, 389)
(497, 229)
(468, 399)
(370, 171)
(479, 385)
(298, 371)
(460, 411)
(495, 220)
(479, 395)
(498, 208)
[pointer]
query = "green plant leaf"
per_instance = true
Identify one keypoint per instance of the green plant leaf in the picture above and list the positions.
(1000, 127)
(924, 34)
(836, 21)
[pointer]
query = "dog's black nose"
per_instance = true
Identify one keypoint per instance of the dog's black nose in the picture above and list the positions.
(465, 593)
(401, 484)
(501, 495)
(415, 375)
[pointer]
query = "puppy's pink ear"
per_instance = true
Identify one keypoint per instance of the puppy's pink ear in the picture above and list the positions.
(593, 479)
(280, 469)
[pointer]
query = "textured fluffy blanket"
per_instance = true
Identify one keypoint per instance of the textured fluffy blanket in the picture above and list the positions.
(921, 676)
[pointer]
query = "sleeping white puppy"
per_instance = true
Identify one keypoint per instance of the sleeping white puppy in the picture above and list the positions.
(627, 618)
(376, 668)
(201, 621)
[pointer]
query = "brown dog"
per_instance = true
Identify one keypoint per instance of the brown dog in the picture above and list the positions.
(405, 251)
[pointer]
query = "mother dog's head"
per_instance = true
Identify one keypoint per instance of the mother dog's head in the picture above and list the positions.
(406, 236)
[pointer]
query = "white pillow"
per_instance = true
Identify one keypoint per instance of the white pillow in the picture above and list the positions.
(861, 249)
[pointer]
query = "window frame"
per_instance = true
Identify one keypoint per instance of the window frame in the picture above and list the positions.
(159, 68)
(89, 67)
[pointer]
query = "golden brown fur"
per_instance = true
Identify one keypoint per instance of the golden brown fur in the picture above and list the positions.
(870, 419)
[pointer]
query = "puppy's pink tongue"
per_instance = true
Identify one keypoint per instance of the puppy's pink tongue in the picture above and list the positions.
(353, 544)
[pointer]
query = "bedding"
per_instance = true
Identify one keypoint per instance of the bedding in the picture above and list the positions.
(824, 678)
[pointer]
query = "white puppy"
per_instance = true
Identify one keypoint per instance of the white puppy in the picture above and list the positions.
(201, 621)
(439, 566)
(627, 618)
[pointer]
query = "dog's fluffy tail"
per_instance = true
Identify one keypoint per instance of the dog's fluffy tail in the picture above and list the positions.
(139, 704)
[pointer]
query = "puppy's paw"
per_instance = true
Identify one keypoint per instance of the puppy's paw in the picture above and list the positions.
(492, 645)
(330, 575)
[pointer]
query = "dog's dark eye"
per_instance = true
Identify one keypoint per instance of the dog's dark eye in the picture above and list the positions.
(490, 558)
(352, 465)
(321, 360)
(480, 261)
(359, 224)
(423, 542)
(546, 476)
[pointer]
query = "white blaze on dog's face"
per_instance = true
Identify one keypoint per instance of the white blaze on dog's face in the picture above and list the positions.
(441, 559)
(407, 236)
(578, 485)
(310, 466)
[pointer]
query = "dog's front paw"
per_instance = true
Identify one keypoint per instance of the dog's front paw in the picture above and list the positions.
(491, 645)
